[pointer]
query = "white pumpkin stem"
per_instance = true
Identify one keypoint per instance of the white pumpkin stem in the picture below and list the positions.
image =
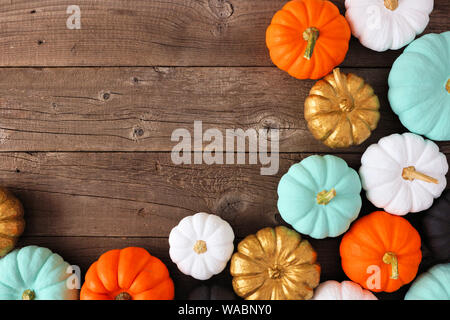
(200, 247)
(28, 295)
(346, 102)
(311, 35)
(391, 258)
(410, 173)
(391, 4)
(325, 196)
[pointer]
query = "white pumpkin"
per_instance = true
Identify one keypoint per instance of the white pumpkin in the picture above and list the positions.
(390, 24)
(201, 245)
(403, 173)
(346, 290)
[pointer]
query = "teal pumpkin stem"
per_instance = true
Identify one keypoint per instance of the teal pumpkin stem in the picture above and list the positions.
(391, 258)
(28, 295)
(311, 35)
(325, 196)
(447, 86)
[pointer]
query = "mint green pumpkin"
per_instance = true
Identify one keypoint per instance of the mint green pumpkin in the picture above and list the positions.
(320, 196)
(431, 285)
(419, 86)
(34, 273)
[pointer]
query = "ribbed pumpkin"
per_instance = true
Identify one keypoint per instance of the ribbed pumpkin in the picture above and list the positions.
(275, 264)
(385, 243)
(127, 274)
(308, 38)
(35, 273)
(12, 223)
(345, 290)
(320, 196)
(342, 110)
(419, 86)
(431, 285)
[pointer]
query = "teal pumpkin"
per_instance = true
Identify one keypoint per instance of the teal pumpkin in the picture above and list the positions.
(419, 86)
(431, 285)
(320, 196)
(35, 273)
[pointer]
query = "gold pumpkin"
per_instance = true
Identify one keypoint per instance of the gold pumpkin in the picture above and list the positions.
(275, 264)
(342, 110)
(12, 223)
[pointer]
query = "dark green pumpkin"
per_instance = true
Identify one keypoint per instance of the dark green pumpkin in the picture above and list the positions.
(436, 225)
(212, 292)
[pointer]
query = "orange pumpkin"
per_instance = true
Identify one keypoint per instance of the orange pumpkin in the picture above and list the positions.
(308, 38)
(127, 274)
(381, 252)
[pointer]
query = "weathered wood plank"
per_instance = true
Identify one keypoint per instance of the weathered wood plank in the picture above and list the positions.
(83, 251)
(137, 109)
(152, 33)
(141, 194)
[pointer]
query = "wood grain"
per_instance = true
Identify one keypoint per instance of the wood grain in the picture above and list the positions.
(157, 33)
(137, 109)
(140, 194)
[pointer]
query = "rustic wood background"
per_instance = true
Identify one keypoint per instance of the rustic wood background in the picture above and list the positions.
(86, 118)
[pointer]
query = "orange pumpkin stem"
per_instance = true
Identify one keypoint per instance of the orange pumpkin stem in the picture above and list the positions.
(200, 247)
(447, 86)
(410, 173)
(124, 296)
(311, 35)
(391, 258)
(325, 196)
(28, 295)
(391, 4)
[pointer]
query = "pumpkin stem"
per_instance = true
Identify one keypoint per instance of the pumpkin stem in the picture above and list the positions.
(346, 102)
(275, 272)
(311, 35)
(410, 173)
(391, 258)
(28, 295)
(391, 4)
(124, 296)
(325, 196)
(447, 86)
(200, 247)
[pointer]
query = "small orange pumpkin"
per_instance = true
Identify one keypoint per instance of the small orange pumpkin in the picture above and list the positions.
(381, 252)
(127, 274)
(308, 38)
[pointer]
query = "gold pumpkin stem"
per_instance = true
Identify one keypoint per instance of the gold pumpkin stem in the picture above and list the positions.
(410, 173)
(200, 247)
(391, 4)
(124, 296)
(346, 103)
(28, 295)
(391, 258)
(311, 35)
(447, 86)
(325, 196)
